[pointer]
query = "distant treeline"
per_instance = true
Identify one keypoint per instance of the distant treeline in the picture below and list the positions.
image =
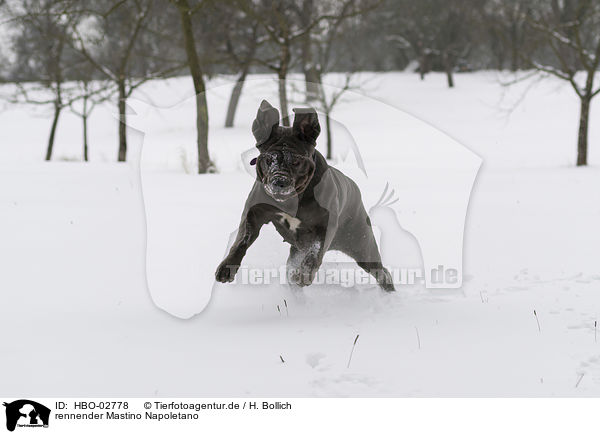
(83, 52)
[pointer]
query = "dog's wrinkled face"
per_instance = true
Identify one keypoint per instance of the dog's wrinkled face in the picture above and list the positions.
(285, 168)
(286, 163)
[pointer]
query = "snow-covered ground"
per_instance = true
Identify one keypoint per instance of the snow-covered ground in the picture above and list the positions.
(77, 317)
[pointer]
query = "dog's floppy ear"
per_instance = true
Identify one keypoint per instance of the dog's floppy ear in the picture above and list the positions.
(306, 124)
(267, 118)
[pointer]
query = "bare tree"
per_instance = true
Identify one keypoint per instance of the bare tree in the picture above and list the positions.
(112, 40)
(514, 11)
(278, 21)
(504, 24)
(570, 31)
(317, 44)
(90, 93)
(286, 23)
(452, 38)
(310, 66)
(186, 11)
(327, 61)
(435, 29)
(41, 44)
(411, 26)
(243, 37)
(329, 96)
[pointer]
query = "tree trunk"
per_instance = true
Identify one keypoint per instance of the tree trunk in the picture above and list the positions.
(497, 47)
(449, 77)
(422, 58)
(283, 102)
(58, 103)
(122, 119)
(514, 48)
(204, 163)
(582, 139)
(514, 61)
(329, 139)
(312, 77)
(85, 137)
(235, 96)
(448, 69)
(284, 62)
(499, 61)
(84, 118)
(422, 66)
(57, 110)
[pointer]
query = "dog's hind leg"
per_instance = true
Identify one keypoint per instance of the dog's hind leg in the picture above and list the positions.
(380, 273)
(363, 249)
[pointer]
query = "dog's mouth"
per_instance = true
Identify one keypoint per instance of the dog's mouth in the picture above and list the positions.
(280, 187)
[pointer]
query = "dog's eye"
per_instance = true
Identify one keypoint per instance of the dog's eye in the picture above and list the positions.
(296, 161)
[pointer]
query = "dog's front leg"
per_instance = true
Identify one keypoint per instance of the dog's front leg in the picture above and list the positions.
(304, 262)
(247, 234)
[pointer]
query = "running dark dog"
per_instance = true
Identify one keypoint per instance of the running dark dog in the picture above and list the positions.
(314, 206)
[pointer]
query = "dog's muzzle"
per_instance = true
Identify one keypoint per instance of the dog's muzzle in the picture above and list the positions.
(280, 186)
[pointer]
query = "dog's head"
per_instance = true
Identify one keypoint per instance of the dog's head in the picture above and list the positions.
(286, 161)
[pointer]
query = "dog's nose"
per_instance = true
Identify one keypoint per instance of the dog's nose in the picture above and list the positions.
(281, 182)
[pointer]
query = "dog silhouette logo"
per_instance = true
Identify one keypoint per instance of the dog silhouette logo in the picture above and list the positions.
(26, 413)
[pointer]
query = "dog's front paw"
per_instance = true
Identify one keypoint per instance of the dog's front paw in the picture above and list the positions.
(305, 273)
(293, 275)
(226, 272)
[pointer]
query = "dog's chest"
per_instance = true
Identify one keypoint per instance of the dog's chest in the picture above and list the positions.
(288, 222)
(301, 228)
(291, 228)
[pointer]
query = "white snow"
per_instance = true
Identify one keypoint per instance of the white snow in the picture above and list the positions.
(77, 317)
